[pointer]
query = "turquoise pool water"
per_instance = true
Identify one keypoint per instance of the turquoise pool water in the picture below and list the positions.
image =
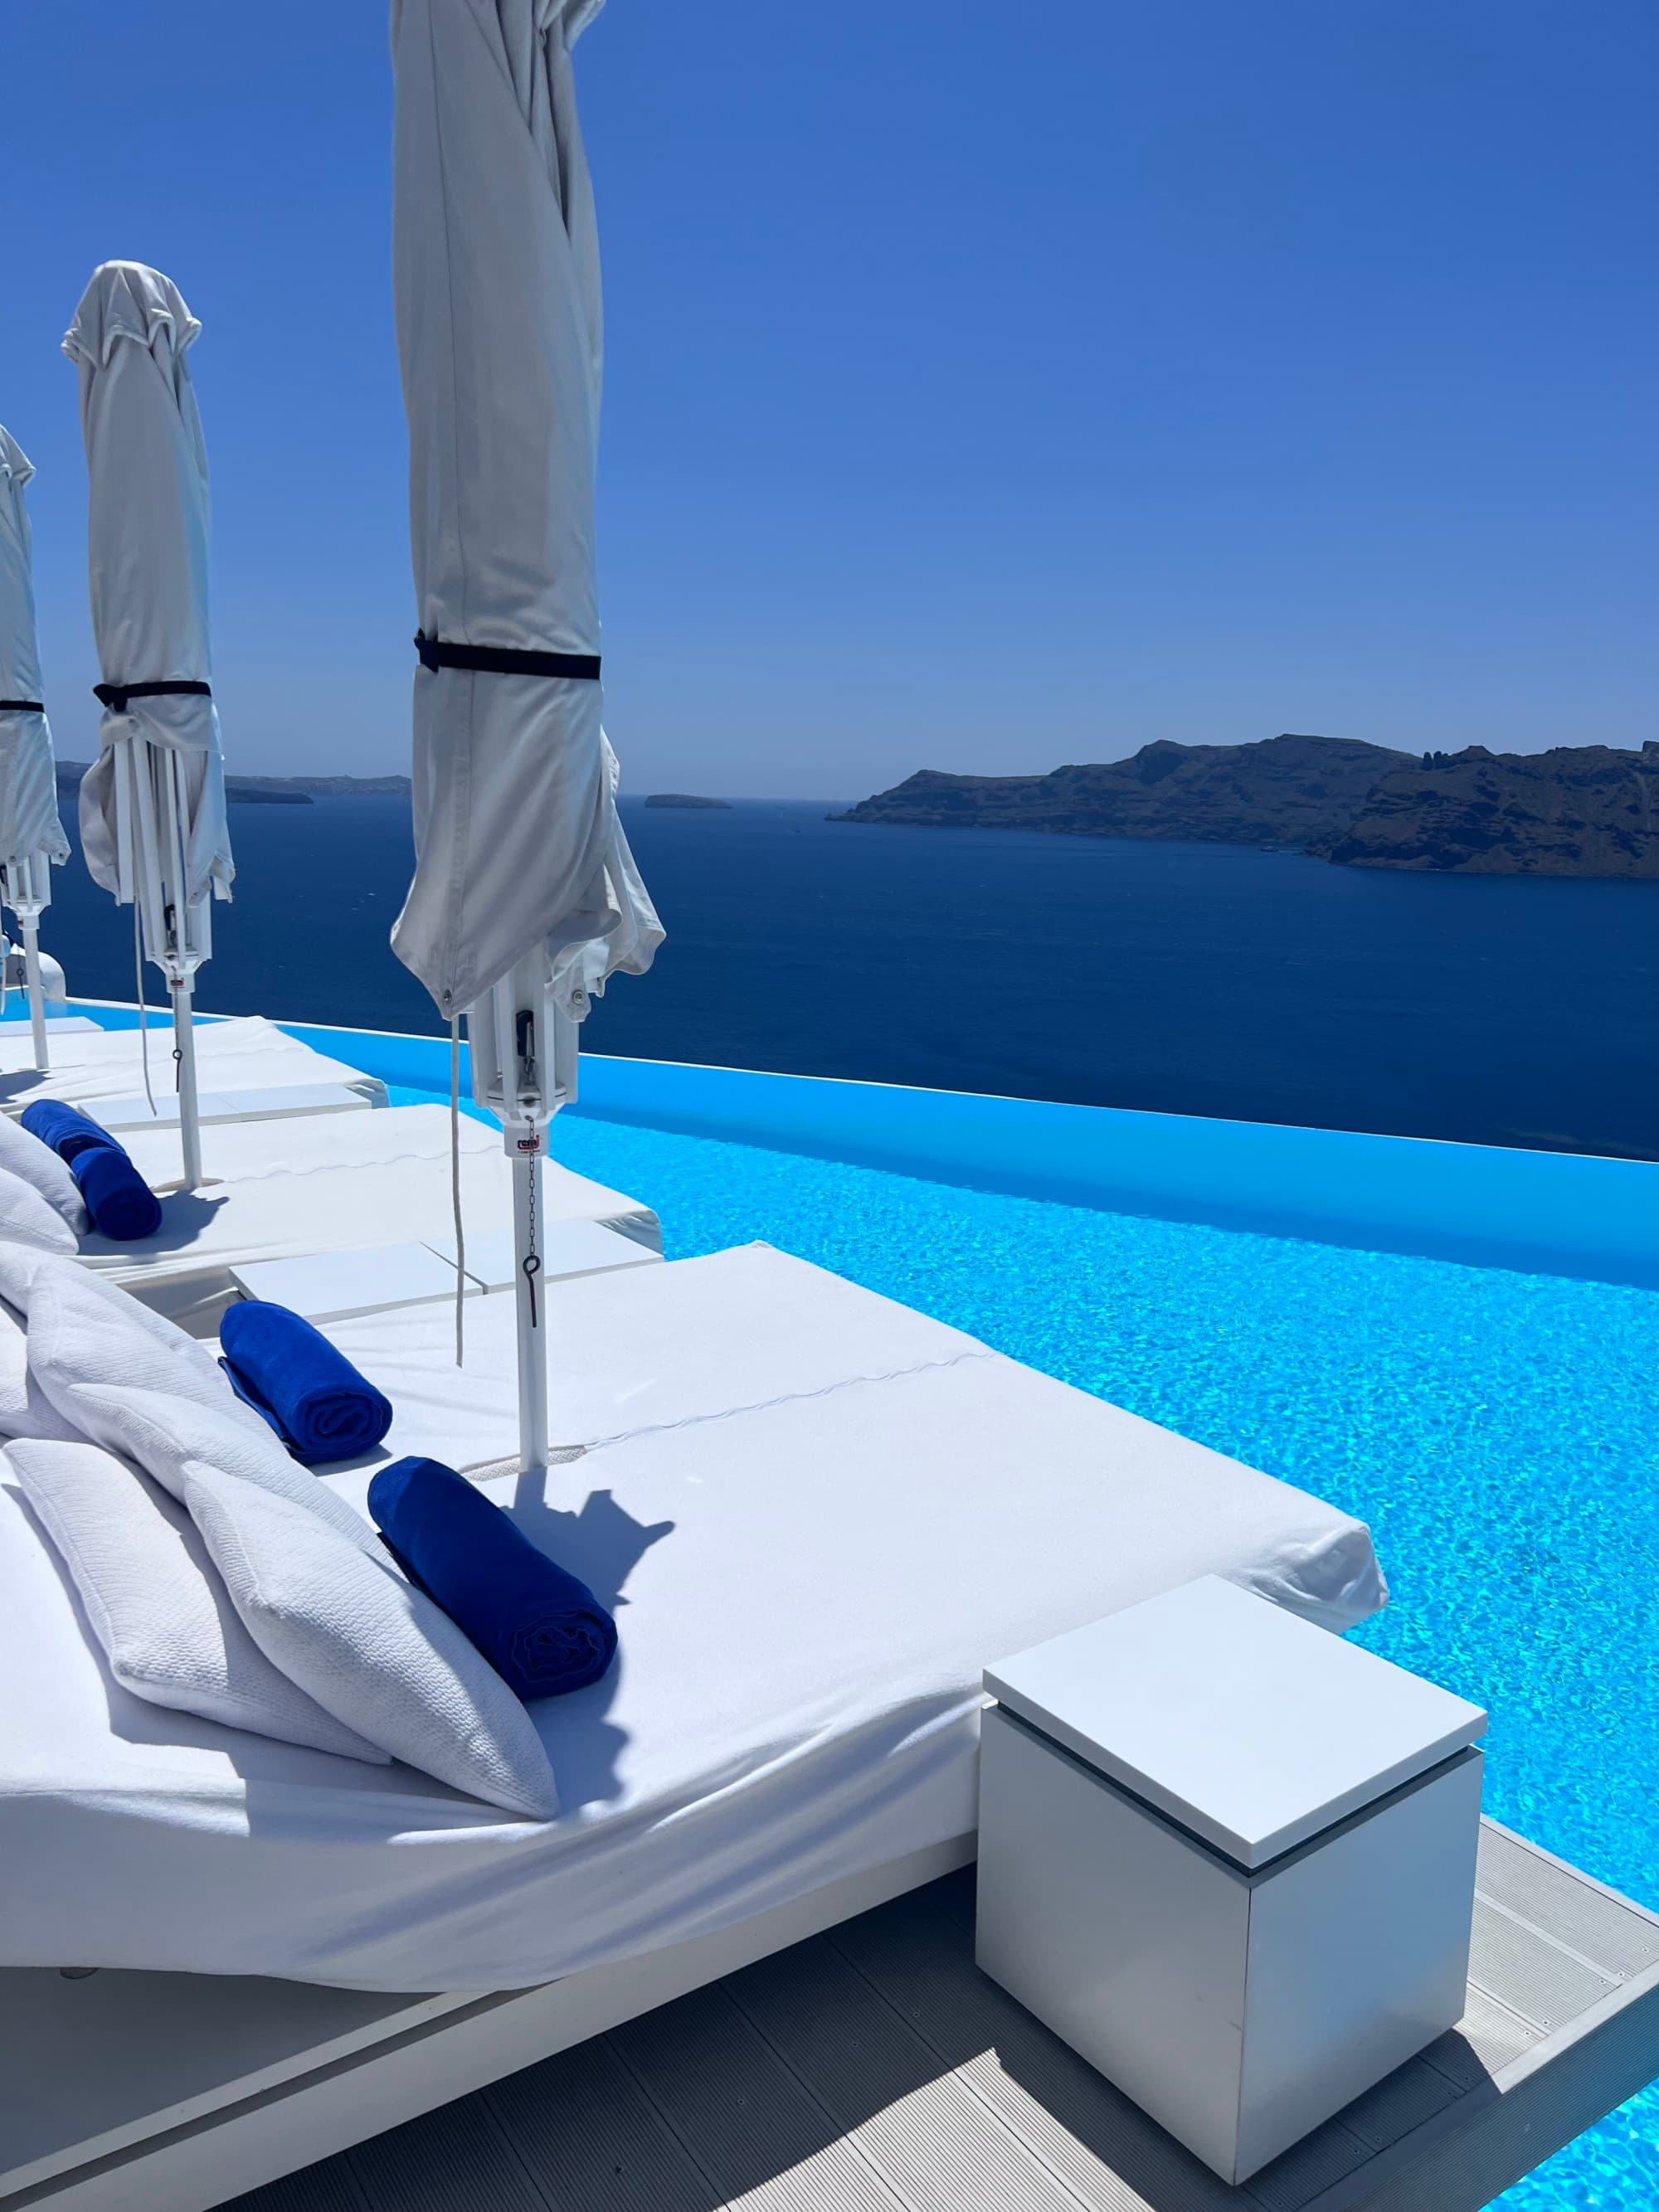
(1496, 1431)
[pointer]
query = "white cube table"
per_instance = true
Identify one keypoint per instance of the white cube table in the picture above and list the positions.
(1230, 1859)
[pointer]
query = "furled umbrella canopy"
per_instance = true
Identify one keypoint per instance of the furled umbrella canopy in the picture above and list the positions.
(153, 821)
(496, 269)
(526, 897)
(32, 840)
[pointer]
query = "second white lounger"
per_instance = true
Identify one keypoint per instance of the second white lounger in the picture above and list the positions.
(280, 1190)
(241, 1054)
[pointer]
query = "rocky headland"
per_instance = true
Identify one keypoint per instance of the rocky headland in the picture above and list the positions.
(1577, 811)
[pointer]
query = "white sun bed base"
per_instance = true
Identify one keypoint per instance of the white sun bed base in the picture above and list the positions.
(170, 2092)
(141, 2093)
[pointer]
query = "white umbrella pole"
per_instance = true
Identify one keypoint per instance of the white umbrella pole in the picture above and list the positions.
(31, 923)
(180, 971)
(21, 889)
(183, 1047)
(524, 1069)
(529, 1292)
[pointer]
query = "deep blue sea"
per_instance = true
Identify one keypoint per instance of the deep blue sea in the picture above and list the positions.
(1190, 979)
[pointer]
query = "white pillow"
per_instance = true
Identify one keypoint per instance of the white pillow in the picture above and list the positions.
(27, 1156)
(132, 1380)
(26, 1218)
(25, 1409)
(19, 1265)
(370, 1648)
(84, 1328)
(156, 1605)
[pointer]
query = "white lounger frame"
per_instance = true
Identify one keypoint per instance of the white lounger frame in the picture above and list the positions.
(264, 2117)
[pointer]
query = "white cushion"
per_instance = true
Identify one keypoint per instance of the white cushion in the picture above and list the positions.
(370, 1648)
(25, 1409)
(26, 1218)
(132, 1380)
(156, 1601)
(25, 1156)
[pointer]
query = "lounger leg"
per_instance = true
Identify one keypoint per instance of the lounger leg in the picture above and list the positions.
(184, 1043)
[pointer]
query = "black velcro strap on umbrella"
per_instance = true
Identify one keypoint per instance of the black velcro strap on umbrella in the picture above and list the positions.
(115, 695)
(21, 707)
(504, 659)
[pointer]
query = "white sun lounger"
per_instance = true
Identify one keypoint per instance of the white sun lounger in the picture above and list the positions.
(288, 1188)
(249, 1055)
(818, 1514)
(821, 1515)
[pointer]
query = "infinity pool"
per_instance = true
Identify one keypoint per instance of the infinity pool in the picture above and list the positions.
(1496, 1431)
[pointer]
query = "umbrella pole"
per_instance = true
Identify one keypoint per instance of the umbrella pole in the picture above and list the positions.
(179, 965)
(184, 1052)
(31, 923)
(530, 1292)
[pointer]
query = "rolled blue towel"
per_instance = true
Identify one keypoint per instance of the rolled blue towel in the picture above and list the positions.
(543, 1632)
(313, 1397)
(121, 1203)
(66, 1129)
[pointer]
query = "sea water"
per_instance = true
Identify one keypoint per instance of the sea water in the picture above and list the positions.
(1187, 979)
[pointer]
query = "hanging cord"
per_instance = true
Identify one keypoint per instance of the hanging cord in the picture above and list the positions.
(455, 1182)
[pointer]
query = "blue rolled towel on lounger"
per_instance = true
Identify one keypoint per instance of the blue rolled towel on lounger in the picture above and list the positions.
(313, 1397)
(66, 1129)
(122, 1204)
(543, 1632)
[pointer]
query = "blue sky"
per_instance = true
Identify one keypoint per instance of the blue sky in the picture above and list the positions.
(987, 388)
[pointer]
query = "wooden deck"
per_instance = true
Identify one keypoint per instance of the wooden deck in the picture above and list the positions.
(875, 2069)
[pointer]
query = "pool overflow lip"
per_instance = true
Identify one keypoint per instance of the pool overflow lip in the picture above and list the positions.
(1556, 1214)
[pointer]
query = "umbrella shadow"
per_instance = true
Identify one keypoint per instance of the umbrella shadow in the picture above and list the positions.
(602, 1543)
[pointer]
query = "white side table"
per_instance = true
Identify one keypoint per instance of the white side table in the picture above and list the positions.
(1230, 1859)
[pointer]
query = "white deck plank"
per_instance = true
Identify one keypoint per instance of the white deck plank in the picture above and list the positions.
(875, 2069)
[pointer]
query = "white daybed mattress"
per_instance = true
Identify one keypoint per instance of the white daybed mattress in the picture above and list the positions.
(823, 1516)
(279, 1190)
(244, 1055)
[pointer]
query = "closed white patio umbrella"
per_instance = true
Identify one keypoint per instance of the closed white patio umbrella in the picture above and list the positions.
(153, 821)
(32, 840)
(525, 896)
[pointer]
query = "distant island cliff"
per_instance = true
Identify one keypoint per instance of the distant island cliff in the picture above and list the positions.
(1577, 811)
(272, 790)
(686, 798)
